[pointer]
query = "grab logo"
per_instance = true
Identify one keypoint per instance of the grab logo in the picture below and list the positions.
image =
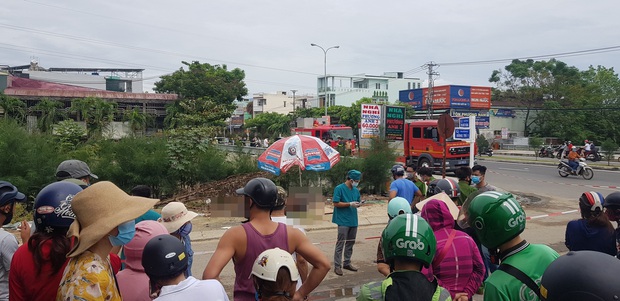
(409, 244)
(515, 221)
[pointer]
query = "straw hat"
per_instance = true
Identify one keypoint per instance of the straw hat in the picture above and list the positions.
(99, 209)
(174, 215)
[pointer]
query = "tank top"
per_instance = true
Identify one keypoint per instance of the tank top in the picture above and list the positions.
(256, 244)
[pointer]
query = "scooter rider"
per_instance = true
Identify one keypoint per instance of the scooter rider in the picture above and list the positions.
(573, 159)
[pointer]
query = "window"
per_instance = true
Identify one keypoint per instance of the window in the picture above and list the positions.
(386, 87)
(430, 133)
(285, 103)
(419, 85)
(377, 86)
(408, 86)
(417, 133)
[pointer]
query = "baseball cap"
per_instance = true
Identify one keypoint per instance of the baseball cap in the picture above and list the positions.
(73, 169)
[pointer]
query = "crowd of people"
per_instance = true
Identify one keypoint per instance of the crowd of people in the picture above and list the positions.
(93, 241)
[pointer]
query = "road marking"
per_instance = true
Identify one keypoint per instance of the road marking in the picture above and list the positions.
(550, 214)
(514, 169)
(611, 187)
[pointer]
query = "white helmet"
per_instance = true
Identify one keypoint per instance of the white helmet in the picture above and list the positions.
(574, 148)
(269, 263)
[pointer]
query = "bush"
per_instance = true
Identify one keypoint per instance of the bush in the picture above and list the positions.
(376, 166)
(609, 148)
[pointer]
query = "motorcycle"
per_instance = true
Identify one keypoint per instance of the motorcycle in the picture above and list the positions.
(546, 152)
(559, 151)
(488, 152)
(594, 156)
(583, 170)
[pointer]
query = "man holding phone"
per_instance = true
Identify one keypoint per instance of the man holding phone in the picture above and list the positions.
(346, 201)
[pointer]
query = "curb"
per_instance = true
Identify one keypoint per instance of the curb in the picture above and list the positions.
(612, 168)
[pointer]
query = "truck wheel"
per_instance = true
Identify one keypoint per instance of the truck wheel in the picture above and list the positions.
(424, 163)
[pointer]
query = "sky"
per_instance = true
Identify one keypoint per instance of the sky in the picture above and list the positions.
(270, 39)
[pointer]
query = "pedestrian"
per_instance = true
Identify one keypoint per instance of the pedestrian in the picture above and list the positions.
(408, 245)
(346, 200)
(75, 171)
(278, 214)
(9, 195)
(275, 275)
(478, 178)
(178, 221)
(395, 207)
(612, 209)
(104, 218)
(165, 262)
(347, 147)
(426, 174)
(413, 177)
(244, 243)
(37, 265)
(457, 265)
(448, 186)
(145, 192)
(266, 142)
(582, 275)
(402, 187)
(133, 283)
(463, 173)
(593, 231)
(498, 221)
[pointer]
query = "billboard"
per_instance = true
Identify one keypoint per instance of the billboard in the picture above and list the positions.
(394, 123)
(449, 97)
(371, 118)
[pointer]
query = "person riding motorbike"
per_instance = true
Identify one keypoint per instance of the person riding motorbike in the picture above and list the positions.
(573, 159)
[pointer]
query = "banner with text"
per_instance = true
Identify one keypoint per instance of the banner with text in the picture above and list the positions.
(394, 123)
(371, 118)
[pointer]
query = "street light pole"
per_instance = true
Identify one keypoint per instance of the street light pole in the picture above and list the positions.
(325, 70)
(294, 91)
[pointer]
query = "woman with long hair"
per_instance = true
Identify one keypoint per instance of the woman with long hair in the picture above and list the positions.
(38, 265)
(593, 231)
(275, 275)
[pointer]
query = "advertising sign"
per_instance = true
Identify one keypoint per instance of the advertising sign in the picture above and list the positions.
(449, 97)
(394, 123)
(371, 119)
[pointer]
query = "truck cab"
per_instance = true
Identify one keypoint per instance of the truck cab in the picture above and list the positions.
(329, 133)
(423, 147)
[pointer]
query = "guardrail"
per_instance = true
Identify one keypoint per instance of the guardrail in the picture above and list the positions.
(244, 149)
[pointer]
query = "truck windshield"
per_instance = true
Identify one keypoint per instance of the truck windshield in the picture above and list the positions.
(344, 133)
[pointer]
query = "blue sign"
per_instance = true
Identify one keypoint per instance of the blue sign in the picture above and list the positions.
(414, 97)
(461, 134)
(460, 97)
(464, 122)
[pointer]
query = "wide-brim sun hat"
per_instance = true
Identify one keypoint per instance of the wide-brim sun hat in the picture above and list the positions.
(174, 215)
(99, 209)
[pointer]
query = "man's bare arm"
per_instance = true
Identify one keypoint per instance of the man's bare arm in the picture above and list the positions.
(223, 254)
(318, 260)
(302, 267)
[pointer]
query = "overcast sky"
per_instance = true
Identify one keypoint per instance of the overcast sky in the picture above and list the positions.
(270, 39)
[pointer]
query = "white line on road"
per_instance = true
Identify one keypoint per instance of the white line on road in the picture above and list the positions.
(514, 169)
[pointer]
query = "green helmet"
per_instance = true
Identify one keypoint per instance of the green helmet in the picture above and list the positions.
(409, 236)
(496, 217)
(398, 205)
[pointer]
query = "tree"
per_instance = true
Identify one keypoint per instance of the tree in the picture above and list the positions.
(214, 82)
(97, 113)
(609, 148)
(50, 112)
(271, 124)
(13, 107)
(201, 112)
(535, 143)
(138, 121)
(70, 134)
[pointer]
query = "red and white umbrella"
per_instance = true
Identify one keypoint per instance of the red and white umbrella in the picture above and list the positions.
(307, 152)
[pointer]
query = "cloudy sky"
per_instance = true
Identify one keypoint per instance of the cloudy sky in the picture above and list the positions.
(270, 39)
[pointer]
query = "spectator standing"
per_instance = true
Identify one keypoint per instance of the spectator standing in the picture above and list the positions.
(346, 200)
(178, 221)
(593, 231)
(612, 209)
(104, 218)
(457, 264)
(37, 266)
(498, 221)
(133, 283)
(165, 262)
(402, 187)
(347, 147)
(9, 195)
(275, 275)
(266, 142)
(75, 171)
(413, 177)
(396, 206)
(463, 173)
(478, 178)
(244, 243)
(426, 174)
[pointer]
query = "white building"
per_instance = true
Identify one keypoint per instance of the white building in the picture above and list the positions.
(344, 90)
(280, 102)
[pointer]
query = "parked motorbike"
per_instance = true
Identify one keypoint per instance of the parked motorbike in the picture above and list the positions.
(583, 170)
(546, 151)
(559, 151)
(488, 152)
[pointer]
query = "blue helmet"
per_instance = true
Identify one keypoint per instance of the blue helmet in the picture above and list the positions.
(52, 206)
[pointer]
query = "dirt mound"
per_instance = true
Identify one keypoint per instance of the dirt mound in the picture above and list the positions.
(194, 197)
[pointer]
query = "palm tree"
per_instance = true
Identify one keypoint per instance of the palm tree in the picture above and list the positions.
(50, 112)
(100, 117)
(13, 107)
(138, 121)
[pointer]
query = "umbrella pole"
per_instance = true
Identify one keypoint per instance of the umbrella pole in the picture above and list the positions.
(300, 177)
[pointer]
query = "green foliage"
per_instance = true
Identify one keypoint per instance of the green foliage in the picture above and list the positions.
(13, 108)
(50, 112)
(482, 143)
(609, 148)
(197, 112)
(70, 134)
(138, 121)
(338, 173)
(535, 143)
(270, 124)
(213, 82)
(378, 160)
(97, 113)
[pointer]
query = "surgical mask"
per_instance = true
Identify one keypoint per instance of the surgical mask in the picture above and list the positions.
(409, 175)
(9, 217)
(185, 230)
(475, 179)
(355, 183)
(126, 231)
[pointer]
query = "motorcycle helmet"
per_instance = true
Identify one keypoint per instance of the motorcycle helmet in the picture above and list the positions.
(398, 206)
(164, 256)
(262, 191)
(591, 200)
(52, 207)
(398, 170)
(409, 236)
(496, 218)
(582, 275)
(449, 186)
(269, 262)
(612, 200)
(9, 194)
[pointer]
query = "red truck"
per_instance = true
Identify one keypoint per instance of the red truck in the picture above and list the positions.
(422, 147)
(329, 132)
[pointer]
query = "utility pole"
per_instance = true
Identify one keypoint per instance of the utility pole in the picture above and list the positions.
(429, 96)
(294, 91)
(326, 89)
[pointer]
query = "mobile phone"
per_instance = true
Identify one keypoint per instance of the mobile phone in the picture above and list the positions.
(362, 201)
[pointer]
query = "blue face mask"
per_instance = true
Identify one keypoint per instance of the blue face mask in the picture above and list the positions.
(185, 230)
(475, 179)
(126, 231)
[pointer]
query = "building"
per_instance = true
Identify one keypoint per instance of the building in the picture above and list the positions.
(343, 90)
(280, 102)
